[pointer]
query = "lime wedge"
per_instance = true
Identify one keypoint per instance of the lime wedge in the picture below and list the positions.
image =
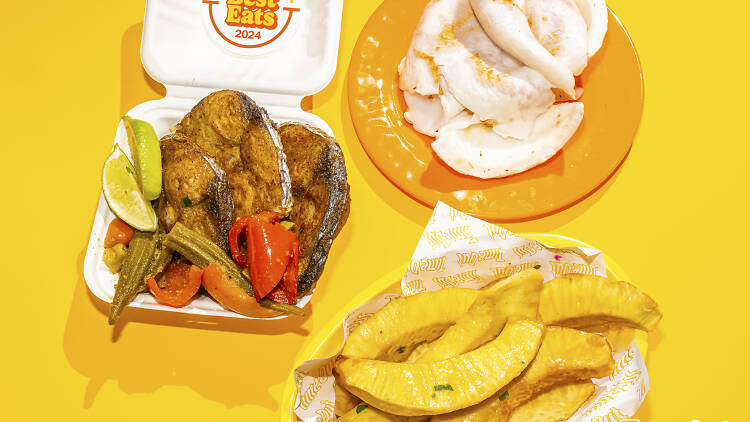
(144, 147)
(123, 194)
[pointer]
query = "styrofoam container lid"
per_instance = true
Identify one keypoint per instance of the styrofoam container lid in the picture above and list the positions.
(287, 47)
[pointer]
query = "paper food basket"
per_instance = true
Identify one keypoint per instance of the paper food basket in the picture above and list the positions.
(457, 250)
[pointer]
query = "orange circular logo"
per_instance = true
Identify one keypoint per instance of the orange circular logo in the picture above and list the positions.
(249, 26)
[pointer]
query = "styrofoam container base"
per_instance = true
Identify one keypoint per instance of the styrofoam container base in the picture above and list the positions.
(164, 114)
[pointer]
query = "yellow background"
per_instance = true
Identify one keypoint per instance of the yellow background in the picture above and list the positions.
(674, 217)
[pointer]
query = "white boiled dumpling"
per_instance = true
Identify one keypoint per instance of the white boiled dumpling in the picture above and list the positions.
(506, 23)
(429, 113)
(449, 43)
(490, 82)
(561, 29)
(418, 72)
(594, 13)
(429, 102)
(474, 149)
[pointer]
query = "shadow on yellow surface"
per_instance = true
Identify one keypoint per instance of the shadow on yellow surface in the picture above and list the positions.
(136, 86)
(200, 352)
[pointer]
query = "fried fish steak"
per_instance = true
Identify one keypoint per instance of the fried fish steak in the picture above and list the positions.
(195, 191)
(243, 140)
(321, 195)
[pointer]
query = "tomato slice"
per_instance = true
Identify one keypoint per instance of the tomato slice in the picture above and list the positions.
(231, 296)
(182, 283)
(118, 232)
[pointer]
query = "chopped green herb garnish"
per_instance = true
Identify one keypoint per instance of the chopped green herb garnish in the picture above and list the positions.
(186, 202)
(360, 408)
(441, 387)
(537, 267)
(503, 396)
(434, 395)
(128, 170)
(401, 349)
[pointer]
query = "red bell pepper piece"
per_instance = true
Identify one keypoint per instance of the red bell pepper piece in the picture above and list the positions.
(272, 256)
(238, 232)
(286, 291)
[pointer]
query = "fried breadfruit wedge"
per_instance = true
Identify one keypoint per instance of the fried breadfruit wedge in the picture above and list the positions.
(412, 322)
(321, 195)
(517, 295)
(586, 301)
(344, 400)
(435, 388)
(392, 333)
(565, 356)
(243, 141)
(557, 404)
(366, 413)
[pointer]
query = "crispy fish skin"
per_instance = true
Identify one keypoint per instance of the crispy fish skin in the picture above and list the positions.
(243, 140)
(321, 195)
(195, 190)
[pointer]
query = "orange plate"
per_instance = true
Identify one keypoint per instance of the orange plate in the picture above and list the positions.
(613, 101)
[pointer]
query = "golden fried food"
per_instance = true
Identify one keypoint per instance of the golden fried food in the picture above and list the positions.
(227, 137)
(556, 380)
(517, 295)
(321, 195)
(585, 301)
(434, 388)
(196, 190)
(565, 356)
(344, 401)
(393, 332)
(557, 404)
(230, 127)
(365, 413)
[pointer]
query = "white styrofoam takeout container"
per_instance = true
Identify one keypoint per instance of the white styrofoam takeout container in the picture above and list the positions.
(181, 49)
